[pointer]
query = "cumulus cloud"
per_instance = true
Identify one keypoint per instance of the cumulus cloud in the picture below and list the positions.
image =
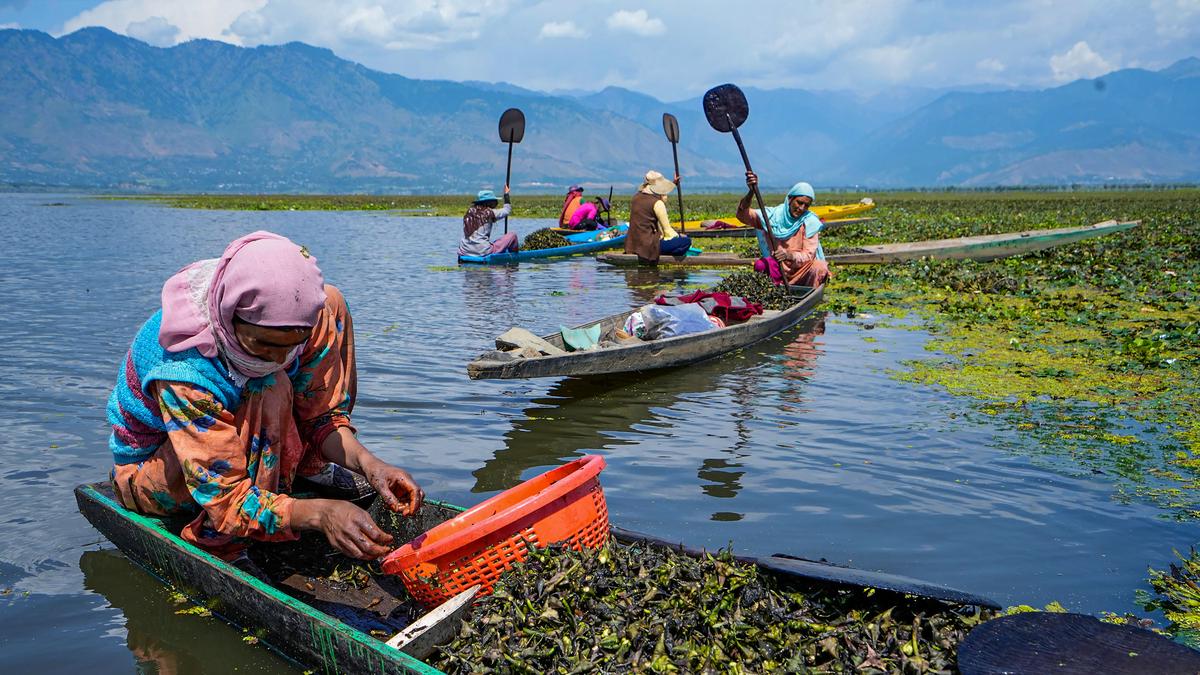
(637, 22)
(155, 30)
(374, 24)
(561, 29)
(192, 18)
(1078, 61)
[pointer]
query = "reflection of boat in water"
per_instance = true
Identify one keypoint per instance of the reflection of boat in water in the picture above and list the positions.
(580, 415)
(160, 640)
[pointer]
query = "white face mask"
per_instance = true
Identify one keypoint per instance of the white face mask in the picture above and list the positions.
(252, 367)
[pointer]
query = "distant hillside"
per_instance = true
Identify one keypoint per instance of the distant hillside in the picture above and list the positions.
(97, 109)
(1128, 126)
(94, 109)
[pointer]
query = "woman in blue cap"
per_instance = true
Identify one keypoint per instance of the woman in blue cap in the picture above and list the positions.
(477, 226)
(797, 251)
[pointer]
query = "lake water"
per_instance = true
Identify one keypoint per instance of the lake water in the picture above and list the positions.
(803, 444)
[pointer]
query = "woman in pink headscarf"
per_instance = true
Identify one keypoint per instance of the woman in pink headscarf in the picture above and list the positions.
(242, 384)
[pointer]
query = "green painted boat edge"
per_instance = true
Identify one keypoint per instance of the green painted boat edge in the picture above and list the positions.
(154, 527)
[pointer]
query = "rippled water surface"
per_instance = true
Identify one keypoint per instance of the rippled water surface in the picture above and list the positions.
(803, 444)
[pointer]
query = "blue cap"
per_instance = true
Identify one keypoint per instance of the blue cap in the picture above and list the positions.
(485, 196)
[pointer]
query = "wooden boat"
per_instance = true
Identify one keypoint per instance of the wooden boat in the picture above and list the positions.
(825, 212)
(699, 260)
(985, 247)
(745, 232)
(592, 243)
(645, 355)
(325, 628)
(580, 236)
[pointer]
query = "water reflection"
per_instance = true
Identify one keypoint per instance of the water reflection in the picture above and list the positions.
(646, 282)
(160, 640)
(582, 415)
(490, 291)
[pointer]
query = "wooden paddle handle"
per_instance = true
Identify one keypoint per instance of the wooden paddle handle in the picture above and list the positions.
(762, 209)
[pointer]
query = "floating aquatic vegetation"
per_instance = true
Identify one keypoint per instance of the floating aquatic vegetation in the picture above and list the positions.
(1107, 327)
(543, 239)
(756, 287)
(646, 609)
(1178, 597)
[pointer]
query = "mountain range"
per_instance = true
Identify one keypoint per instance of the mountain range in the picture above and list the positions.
(97, 110)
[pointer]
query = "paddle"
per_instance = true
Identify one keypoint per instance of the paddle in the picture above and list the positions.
(1070, 644)
(671, 127)
(512, 130)
(608, 216)
(726, 109)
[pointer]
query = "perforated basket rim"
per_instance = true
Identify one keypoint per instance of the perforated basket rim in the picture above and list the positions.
(579, 472)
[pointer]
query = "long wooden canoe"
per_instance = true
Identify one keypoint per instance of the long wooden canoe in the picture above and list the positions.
(741, 232)
(645, 355)
(331, 627)
(582, 243)
(985, 247)
(699, 260)
(824, 211)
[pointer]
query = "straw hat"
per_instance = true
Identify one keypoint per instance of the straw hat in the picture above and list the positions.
(656, 183)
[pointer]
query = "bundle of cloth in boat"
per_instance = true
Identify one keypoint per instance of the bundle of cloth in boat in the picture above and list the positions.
(721, 305)
(656, 322)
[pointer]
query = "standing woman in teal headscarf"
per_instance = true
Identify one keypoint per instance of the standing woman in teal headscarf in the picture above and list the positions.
(797, 250)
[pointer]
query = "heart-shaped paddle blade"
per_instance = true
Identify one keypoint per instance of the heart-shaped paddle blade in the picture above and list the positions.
(671, 127)
(512, 126)
(725, 107)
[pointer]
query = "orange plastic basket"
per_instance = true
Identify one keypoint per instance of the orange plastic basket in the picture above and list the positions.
(564, 505)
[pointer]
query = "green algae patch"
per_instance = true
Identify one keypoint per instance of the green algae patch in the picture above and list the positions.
(1089, 350)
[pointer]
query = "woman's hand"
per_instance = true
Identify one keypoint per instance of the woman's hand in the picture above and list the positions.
(751, 180)
(396, 486)
(348, 528)
(782, 256)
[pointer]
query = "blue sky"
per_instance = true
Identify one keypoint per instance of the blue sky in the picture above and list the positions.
(674, 50)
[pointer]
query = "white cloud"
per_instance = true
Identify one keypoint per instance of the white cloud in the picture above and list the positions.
(193, 18)
(1176, 19)
(1078, 61)
(561, 29)
(637, 22)
(990, 65)
(9, 25)
(155, 30)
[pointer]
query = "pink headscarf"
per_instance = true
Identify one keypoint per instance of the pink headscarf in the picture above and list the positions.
(261, 278)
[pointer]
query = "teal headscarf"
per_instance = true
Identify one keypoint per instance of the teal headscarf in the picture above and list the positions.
(783, 225)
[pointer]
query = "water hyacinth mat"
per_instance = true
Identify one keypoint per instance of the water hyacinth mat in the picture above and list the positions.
(636, 608)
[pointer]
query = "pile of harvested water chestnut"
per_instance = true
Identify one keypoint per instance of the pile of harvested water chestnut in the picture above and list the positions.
(543, 238)
(640, 608)
(757, 287)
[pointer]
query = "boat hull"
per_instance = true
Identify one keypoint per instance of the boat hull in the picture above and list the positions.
(700, 260)
(583, 248)
(981, 248)
(650, 355)
(313, 639)
(321, 642)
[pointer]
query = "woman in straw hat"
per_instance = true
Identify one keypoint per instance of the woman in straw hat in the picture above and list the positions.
(650, 232)
(477, 226)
